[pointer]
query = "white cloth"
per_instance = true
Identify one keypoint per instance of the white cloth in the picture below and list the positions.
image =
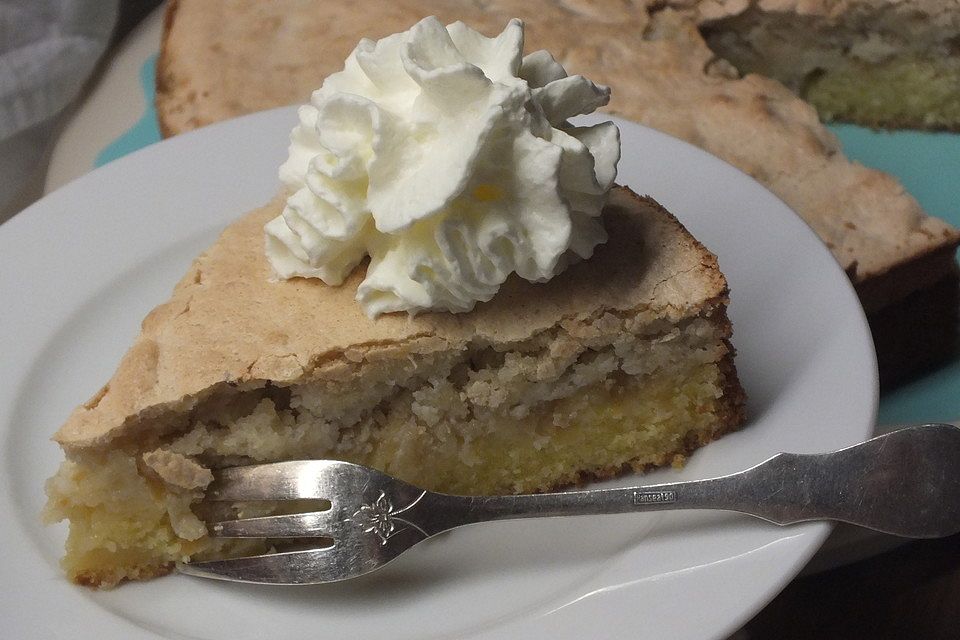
(48, 49)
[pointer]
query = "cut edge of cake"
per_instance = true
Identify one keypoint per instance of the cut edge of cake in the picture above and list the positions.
(854, 61)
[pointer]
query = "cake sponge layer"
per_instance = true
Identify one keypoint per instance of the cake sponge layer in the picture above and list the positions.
(877, 63)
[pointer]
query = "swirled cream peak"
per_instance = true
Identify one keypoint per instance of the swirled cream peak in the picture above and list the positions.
(448, 159)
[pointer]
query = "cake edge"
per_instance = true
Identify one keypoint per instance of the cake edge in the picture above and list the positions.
(731, 416)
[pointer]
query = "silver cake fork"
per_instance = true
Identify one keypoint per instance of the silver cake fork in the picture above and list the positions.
(905, 483)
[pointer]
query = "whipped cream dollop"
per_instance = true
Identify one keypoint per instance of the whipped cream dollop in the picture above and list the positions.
(448, 159)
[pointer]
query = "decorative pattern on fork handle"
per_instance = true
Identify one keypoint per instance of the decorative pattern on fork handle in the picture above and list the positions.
(380, 518)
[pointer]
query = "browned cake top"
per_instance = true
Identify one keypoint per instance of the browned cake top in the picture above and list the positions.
(228, 323)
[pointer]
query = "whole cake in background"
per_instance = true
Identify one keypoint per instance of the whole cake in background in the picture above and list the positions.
(223, 58)
(592, 336)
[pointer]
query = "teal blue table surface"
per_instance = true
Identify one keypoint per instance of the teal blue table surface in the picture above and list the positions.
(927, 163)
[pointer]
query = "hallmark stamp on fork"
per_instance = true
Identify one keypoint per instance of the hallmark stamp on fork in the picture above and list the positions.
(648, 497)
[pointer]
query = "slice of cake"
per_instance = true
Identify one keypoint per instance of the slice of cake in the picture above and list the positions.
(876, 62)
(621, 362)
(451, 289)
(223, 58)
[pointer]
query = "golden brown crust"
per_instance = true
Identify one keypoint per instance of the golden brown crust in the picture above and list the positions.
(227, 326)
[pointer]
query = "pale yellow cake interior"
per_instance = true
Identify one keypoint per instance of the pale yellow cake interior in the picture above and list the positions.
(912, 90)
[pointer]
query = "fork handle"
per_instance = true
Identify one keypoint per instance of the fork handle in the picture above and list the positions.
(905, 483)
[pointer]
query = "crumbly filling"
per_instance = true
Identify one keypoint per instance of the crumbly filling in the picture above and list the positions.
(488, 421)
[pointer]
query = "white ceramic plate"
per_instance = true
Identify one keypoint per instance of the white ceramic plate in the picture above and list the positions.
(79, 269)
